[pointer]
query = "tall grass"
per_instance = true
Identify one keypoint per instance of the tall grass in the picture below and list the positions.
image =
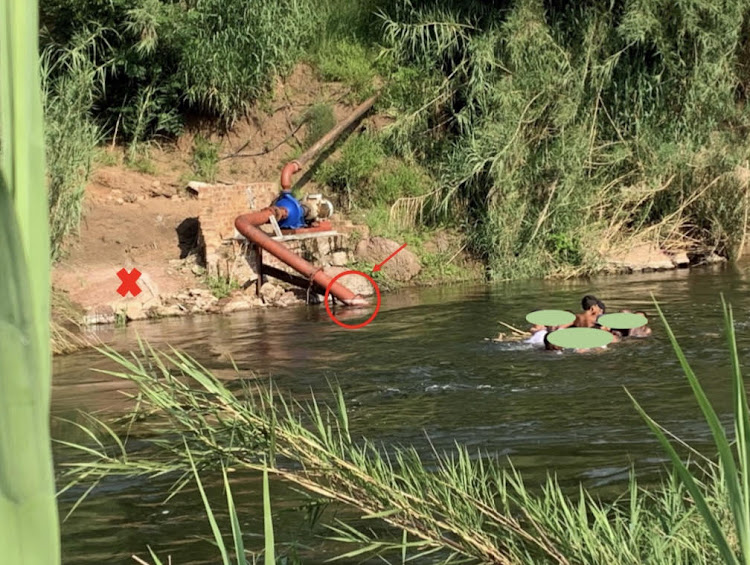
(70, 83)
(29, 532)
(559, 130)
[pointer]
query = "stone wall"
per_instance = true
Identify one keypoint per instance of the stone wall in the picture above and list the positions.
(223, 203)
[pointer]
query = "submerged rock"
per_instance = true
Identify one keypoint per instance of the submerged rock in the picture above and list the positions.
(356, 283)
(271, 292)
(236, 304)
(99, 315)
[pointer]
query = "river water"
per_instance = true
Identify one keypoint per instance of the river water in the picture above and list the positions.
(424, 369)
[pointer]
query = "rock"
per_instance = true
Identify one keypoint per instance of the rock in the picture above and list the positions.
(204, 303)
(339, 258)
(288, 299)
(99, 315)
(135, 311)
(156, 184)
(271, 292)
(356, 283)
(199, 292)
(705, 258)
(643, 257)
(680, 259)
(130, 198)
(171, 310)
(119, 201)
(236, 304)
(197, 270)
(403, 267)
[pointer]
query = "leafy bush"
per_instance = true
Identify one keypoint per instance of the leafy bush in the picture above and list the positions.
(349, 62)
(164, 59)
(320, 120)
(360, 156)
(205, 158)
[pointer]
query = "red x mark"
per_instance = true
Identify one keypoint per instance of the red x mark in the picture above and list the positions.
(129, 282)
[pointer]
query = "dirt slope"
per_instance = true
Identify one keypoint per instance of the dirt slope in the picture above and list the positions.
(134, 219)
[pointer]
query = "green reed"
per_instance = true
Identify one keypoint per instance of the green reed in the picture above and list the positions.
(28, 510)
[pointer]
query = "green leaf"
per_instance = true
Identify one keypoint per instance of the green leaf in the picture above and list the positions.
(30, 526)
(269, 557)
(209, 513)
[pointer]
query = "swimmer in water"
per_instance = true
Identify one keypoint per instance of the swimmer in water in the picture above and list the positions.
(592, 309)
(539, 332)
(642, 331)
(550, 346)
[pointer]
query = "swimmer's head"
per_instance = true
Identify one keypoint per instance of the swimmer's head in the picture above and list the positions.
(591, 303)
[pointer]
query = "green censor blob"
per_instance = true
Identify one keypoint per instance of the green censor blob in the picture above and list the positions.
(623, 321)
(550, 318)
(580, 338)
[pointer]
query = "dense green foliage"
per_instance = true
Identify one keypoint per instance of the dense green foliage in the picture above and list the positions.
(550, 130)
(556, 125)
(213, 57)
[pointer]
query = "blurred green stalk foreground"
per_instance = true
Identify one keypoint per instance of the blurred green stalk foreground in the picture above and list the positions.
(29, 531)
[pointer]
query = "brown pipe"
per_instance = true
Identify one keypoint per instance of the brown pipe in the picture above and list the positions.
(247, 224)
(295, 166)
(287, 172)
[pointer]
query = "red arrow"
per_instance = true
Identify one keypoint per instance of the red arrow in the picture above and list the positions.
(379, 266)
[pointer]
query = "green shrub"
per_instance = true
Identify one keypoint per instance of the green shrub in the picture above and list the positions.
(221, 285)
(348, 62)
(360, 157)
(205, 159)
(320, 120)
(163, 59)
(503, 105)
(397, 179)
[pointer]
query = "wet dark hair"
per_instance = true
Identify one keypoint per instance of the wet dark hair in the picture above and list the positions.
(601, 305)
(588, 301)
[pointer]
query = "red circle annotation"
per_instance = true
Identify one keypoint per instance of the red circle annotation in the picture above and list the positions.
(328, 306)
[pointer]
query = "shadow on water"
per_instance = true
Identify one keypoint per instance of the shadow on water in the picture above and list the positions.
(423, 368)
